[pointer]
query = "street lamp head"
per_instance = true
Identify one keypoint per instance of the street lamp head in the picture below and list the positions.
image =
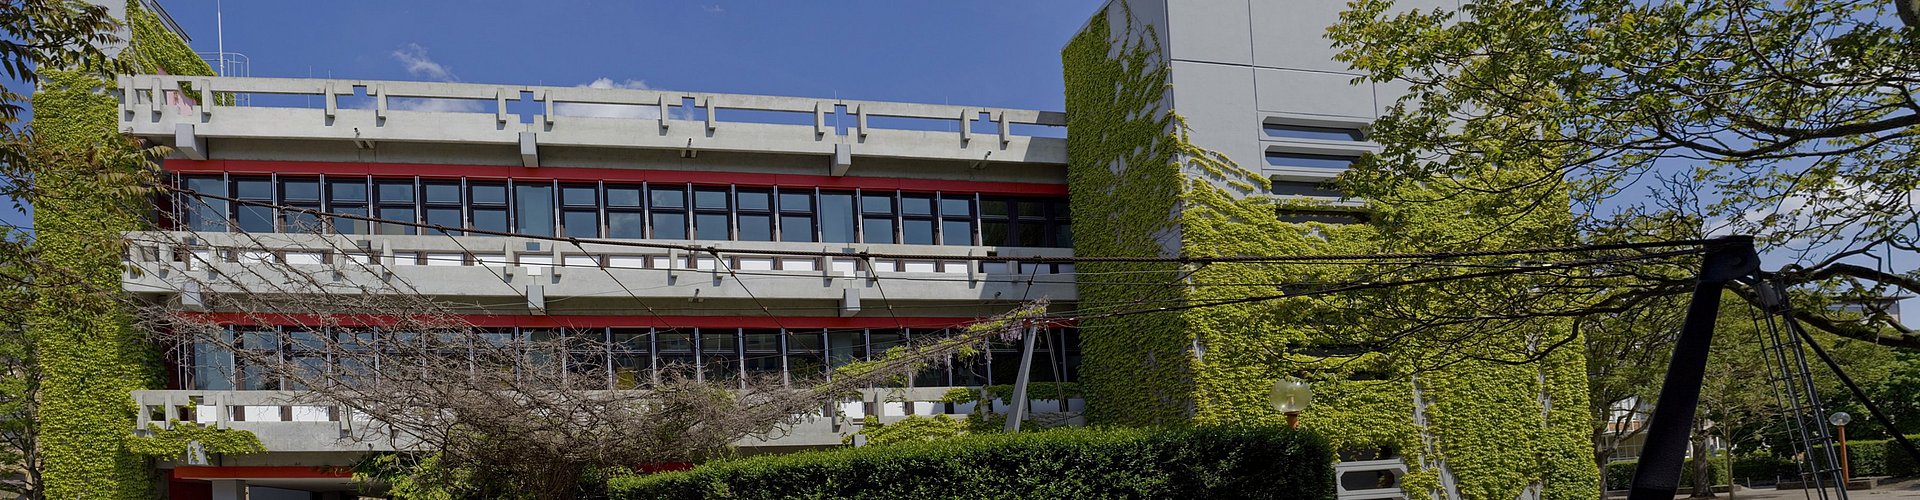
(1291, 396)
(1839, 419)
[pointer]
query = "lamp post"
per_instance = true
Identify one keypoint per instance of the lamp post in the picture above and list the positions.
(1839, 419)
(1290, 397)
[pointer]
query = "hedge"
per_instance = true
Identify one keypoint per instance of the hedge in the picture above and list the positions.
(1759, 469)
(1882, 457)
(1221, 462)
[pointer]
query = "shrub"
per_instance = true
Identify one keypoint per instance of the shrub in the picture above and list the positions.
(1746, 469)
(1063, 463)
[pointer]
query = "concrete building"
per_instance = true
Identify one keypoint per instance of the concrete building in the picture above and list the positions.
(1253, 80)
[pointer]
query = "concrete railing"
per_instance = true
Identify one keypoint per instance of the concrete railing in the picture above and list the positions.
(191, 109)
(289, 421)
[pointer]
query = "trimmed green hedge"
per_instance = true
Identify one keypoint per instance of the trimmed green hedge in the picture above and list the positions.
(1746, 468)
(1882, 457)
(1064, 463)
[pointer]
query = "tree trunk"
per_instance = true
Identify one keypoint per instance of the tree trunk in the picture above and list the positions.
(1702, 464)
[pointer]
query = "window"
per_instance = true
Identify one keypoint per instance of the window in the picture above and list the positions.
(916, 219)
(487, 206)
(580, 211)
(396, 202)
(755, 214)
(249, 217)
(443, 205)
(1025, 222)
(796, 215)
(533, 208)
(348, 197)
(880, 341)
(626, 217)
(632, 358)
(205, 214)
(213, 363)
(877, 218)
(262, 349)
(1322, 216)
(1291, 131)
(669, 212)
(1304, 188)
(1306, 160)
(676, 360)
(301, 193)
(710, 216)
(836, 217)
(761, 349)
(846, 347)
(956, 219)
(719, 354)
(806, 357)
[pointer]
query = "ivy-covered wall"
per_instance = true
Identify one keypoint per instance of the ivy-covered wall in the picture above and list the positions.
(1139, 187)
(91, 357)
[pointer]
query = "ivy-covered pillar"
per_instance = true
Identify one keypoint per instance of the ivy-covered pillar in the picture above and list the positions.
(91, 357)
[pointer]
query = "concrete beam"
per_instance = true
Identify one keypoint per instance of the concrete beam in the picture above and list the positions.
(529, 151)
(189, 143)
(842, 160)
(849, 302)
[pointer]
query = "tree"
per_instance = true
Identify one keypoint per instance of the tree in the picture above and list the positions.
(1791, 121)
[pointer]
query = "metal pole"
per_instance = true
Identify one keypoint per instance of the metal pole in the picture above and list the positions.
(1846, 474)
(1019, 398)
(1658, 474)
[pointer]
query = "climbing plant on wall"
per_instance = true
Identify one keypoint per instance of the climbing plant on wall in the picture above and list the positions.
(1470, 425)
(88, 188)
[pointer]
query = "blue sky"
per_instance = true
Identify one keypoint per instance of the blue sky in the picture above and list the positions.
(990, 53)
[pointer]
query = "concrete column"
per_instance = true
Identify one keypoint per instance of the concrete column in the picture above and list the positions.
(229, 489)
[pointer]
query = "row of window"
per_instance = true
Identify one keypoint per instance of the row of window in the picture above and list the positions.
(648, 210)
(622, 358)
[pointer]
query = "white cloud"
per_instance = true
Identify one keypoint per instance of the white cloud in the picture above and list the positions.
(609, 110)
(714, 8)
(440, 105)
(414, 57)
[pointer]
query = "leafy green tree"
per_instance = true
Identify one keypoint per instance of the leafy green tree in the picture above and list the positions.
(1791, 121)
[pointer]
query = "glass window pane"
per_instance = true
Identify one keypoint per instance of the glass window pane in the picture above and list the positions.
(489, 194)
(625, 225)
(756, 201)
(993, 208)
(449, 217)
(710, 227)
(796, 228)
(623, 196)
(718, 341)
(1063, 236)
(1062, 210)
(710, 199)
(632, 371)
(581, 196)
(1029, 235)
(396, 214)
(254, 219)
(879, 230)
(396, 192)
(582, 224)
(756, 228)
(441, 192)
(632, 340)
(300, 222)
(490, 219)
(883, 340)
(300, 189)
(796, 201)
(669, 197)
(803, 341)
(1302, 160)
(253, 189)
(993, 234)
(846, 347)
(916, 205)
(534, 209)
(345, 225)
(836, 218)
(956, 232)
(876, 203)
(347, 190)
(916, 232)
(669, 226)
(956, 207)
(674, 342)
(1031, 209)
(762, 341)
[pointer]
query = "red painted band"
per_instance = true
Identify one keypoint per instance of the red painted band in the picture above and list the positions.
(593, 321)
(260, 472)
(578, 174)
